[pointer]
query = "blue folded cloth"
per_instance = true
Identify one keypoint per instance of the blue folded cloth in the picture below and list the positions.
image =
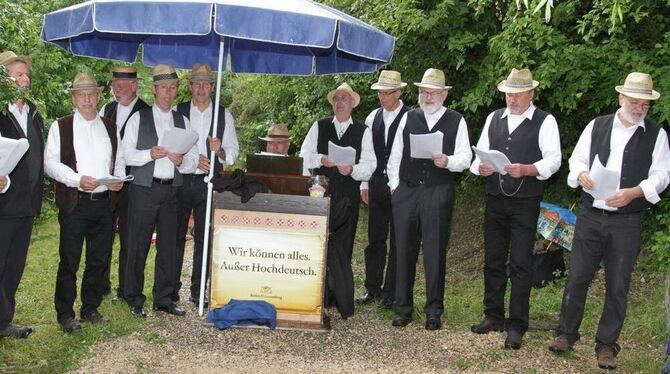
(244, 313)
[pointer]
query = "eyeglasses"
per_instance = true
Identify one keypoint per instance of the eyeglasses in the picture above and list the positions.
(337, 98)
(429, 94)
(386, 93)
(87, 95)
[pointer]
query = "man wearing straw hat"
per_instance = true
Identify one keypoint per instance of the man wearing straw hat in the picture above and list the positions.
(82, 148)
(423, 197)
(609, 224)
(277, 139)
(20, 191)
(154, 198)
(344, 185)
(200, 112)
(126, 103)
(383, 122)
(529, 137)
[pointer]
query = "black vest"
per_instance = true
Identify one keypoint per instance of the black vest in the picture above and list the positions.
(24, 196)
(146, 139)
(637, 157)
(521, 146)
(185, 110)
(340, 185)
(67, 197)
(415, 171)
(383, 147)
(110, 112)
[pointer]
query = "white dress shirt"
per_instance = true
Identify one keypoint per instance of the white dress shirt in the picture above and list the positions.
(122, 112)
(659, 171)
(93, 153)
(201, 122)
(458, 162)
(311, 159)
(549, 141)
(163, 167)
(22, 117)
(388, 118)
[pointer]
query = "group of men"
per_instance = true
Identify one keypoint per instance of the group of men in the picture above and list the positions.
(409, 197)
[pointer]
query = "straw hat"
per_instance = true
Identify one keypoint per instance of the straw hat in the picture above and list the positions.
(124, 72)
(638, 86)
(433, 78)
(164, 74)
(388, 80)
(276, 132)
(344, 87)
(201, 73)
(8, 57)
(518, 81)
(84, 81)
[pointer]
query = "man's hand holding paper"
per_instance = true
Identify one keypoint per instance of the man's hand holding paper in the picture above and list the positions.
(604, 183)
(493, 159)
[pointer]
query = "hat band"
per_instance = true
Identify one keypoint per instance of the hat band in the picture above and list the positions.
(433, 82)
(278, 136)
(124, 75)
(392, 84)
(637, 90)
(519, 85)
(162, 77)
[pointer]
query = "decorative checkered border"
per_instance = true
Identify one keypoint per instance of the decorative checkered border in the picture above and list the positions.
(280, 221)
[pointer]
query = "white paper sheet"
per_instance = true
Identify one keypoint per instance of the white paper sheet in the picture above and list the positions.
(341, 156)
(178, 140)
(493, 158)
(11, 152)
(263, 153)
(605, 181)
(113, 179)
(425, 145)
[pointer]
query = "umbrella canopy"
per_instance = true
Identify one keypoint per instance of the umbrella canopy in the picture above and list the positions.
(557, 224)
(288, 37)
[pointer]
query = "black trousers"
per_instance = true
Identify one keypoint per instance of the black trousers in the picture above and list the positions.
(120, 216)
(509, 232)
(614, 240)
(15, 233)
(422, 218)
(156, 207)
(194, 199)
(380, 222)
(91, 221)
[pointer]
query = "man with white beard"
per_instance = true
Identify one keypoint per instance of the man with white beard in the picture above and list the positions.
(423, 197)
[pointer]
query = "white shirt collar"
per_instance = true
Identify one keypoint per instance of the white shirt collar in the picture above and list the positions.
(527, 114)
(349, 121)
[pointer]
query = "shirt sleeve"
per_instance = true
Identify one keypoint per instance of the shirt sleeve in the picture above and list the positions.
(659, 171)
(550, 145)
(579, 161)
(52, 161)
(229, 142)
(131, 155)
(368, 161)
(462, 156)
(393, 166)
(482, 144)
(311, 159)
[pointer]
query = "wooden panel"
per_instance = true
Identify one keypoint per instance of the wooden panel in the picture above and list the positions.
(275, 203)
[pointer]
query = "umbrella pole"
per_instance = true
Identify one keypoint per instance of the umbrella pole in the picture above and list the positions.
(208, 211)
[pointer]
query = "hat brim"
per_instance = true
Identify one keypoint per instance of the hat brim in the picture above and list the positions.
(73, 89)
(377, 86)
(503, 87)
(202, 79)
(25, 59)
(637, 95)
(353, 94)
(428, 85)
(276, 139)
(163, 82)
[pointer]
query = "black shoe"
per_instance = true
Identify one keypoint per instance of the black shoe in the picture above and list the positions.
(94, 317)
(70, 326)
(170, 309)
(433, 323)
(138, 311)
(386, 303)
(400, 321)
(366, 298)
(513, 340)
(12, 331)
(196, 302)
(487, 325)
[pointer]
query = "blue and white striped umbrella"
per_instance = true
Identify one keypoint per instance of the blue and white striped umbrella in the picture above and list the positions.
(283, 37)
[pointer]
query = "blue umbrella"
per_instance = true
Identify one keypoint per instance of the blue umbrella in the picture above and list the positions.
(288, 37)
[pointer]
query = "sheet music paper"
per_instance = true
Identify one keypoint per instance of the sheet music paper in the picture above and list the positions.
(113, 179)
(493, 158)
(341, 156)
(425, 145)
(178, 140)
(263, 153)
(11, 152)
(605, 181)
